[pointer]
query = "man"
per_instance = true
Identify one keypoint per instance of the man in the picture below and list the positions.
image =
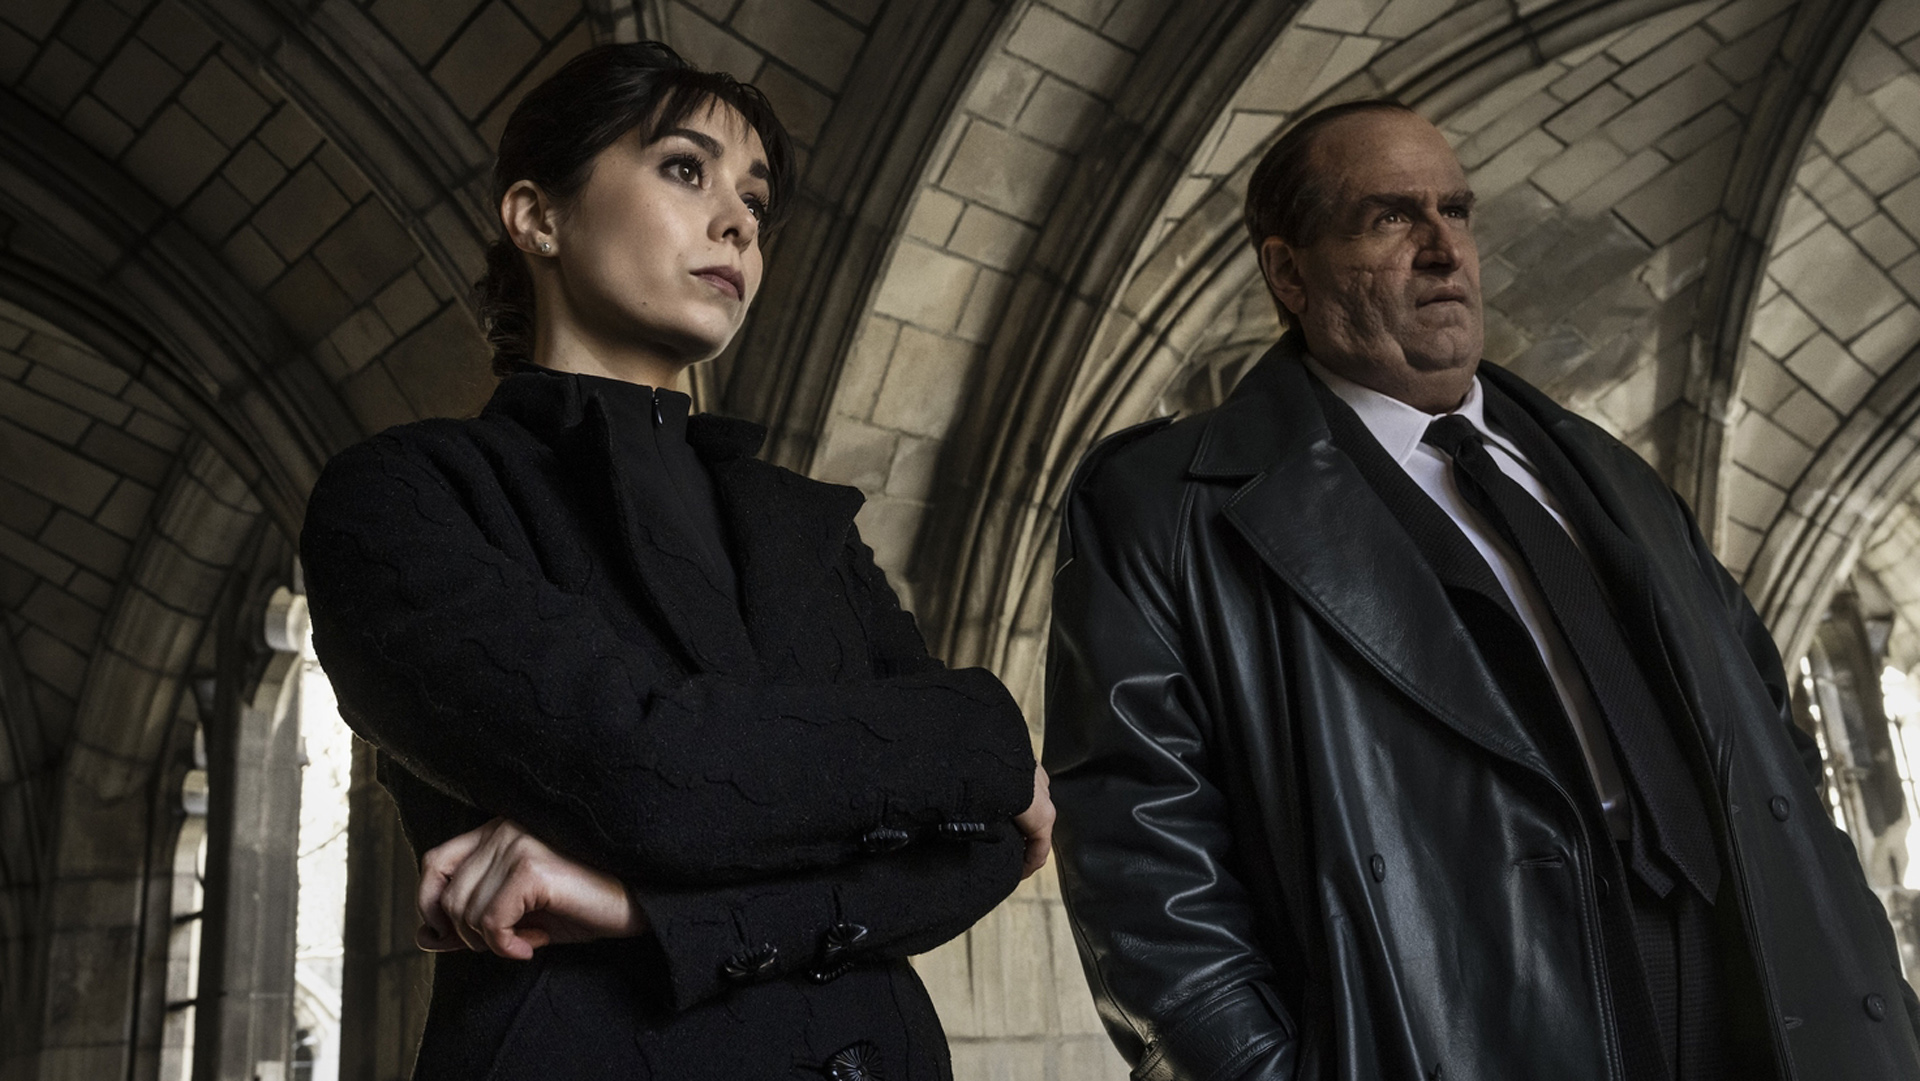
(1401, 724)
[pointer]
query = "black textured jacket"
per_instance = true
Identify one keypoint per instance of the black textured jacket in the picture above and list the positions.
(1304, 836)
(787, 786)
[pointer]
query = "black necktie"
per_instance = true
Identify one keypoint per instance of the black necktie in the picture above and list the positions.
(1669, 803)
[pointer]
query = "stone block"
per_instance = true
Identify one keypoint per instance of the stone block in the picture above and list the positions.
(98, 127)
(1402, 18)
(91, 589)
(126, 511)
(126, 455)
(1514, 164)
(991, 238)
(1835, 282)
(1903, 205)
(865, 367)
(803, 109)
(854, 452)
(813, 40)
(933, 216)
(1780, 326)
(914, 468)
(548, 17)
(1595, 108)
(1583, 78)
(1060, 114)
(366, 250)
(289, 136)
(1738, 18)
(136, 83)
(474, 69)
(1578, 168)
(405, 303)
(1746, 58)
(1652, 33)
(358, 339)
(1651, 71)
(53, 471)
(344, 173)
(925, 286)
(177, 34)
(442, 368)
(1673, 104)
(1847, 121)
(1883, 163)
(1885, 242)
(1688, 192)
(890, 526)
(1279, 82)
(1696, 133)
(57, 77)
(948, 978)
(1751, 500)
(216, 210)
(1606, 193)
(1826, 367)
(155, 432)
(254, 172)
(62, 615)
(1013, 175)
(300, 212)
(1835, 192)
(986, 303)
(1899, 102)
(309, 301)
(85, 543)
(1069, 50)
(1889, 341)
(174, 156)
(421, 27)
(47, 658)
(1001, 88)
(39, 413)
(1133, 22)
(708, 46)
(22, 511)
(1349, 57)
(1807, 417)
(924, 383)
(999, 1060)
(224, 102)
(1769, 450)
(1341, 16)
(252, 258)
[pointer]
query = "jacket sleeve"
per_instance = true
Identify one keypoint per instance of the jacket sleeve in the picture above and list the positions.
(483, 678)
(888, 906)
(1164, 927)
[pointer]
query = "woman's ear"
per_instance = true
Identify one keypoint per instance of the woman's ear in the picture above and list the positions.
(530, 218)
(1280, 265)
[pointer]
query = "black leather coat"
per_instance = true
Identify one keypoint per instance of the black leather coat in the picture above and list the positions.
(1302, 834)
(797, 794)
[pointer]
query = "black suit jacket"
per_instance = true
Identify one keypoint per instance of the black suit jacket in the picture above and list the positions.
(1305, 833)
(520, 634)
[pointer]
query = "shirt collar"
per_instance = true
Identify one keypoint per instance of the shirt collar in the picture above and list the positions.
(1398, 426)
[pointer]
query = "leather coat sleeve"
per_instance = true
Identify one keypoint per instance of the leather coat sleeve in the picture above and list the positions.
(483, 678)
(1165, 929)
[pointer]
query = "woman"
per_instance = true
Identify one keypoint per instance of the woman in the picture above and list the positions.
(687, 783)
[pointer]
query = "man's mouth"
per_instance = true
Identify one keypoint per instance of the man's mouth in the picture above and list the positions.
(724, 278)
(1442, 296)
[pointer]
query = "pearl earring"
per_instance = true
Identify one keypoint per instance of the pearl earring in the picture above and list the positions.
(545, 247)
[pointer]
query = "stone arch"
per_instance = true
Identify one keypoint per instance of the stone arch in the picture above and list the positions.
(27, 765)
(1824, 432)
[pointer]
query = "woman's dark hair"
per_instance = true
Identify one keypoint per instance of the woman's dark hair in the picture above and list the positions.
(1287, 197)
(564, 123)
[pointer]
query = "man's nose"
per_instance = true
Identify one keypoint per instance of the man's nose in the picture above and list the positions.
(1440, 245)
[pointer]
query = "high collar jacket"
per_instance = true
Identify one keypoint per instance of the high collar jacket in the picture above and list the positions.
(796, 794)
(1303, 833)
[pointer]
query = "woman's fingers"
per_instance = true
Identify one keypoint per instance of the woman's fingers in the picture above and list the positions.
(1036, 823)
(436, 868)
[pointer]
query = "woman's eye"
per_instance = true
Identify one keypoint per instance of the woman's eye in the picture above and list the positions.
(685, 170)
(757, 207)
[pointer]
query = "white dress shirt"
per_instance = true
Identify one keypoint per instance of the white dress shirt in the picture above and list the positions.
(1399, 428)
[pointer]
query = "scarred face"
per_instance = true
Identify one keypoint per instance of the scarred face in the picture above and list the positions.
(1388, 292)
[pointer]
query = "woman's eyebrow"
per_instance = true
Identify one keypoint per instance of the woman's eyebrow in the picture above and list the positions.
(758, 170)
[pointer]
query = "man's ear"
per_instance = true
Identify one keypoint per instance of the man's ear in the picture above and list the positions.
(529, 217)
(1280, 265)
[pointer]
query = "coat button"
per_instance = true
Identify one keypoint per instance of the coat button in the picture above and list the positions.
(752, 964)
(1780, 807)
(840, 940)
(1876, 1006)
(859, 1062)
(961, 831)
(1378, 865)
(884, 839)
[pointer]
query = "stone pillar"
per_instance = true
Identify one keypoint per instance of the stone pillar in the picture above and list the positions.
(246, 1012)
(386, 978)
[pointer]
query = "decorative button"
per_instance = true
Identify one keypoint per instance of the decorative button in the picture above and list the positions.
(751, 964)
(860, 1062)
(884, 839)
(1780, 807)
(825, 973)
(961, 831)
(844, 936)
(1378, 865)
(1876, 1006)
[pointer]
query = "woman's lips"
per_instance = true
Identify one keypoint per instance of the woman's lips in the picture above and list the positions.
(726, 279)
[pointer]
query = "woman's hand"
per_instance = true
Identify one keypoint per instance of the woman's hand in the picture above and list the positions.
(1036, 822)
(500, 889)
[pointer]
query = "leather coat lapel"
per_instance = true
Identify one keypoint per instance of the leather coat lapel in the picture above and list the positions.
(1315, 522)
